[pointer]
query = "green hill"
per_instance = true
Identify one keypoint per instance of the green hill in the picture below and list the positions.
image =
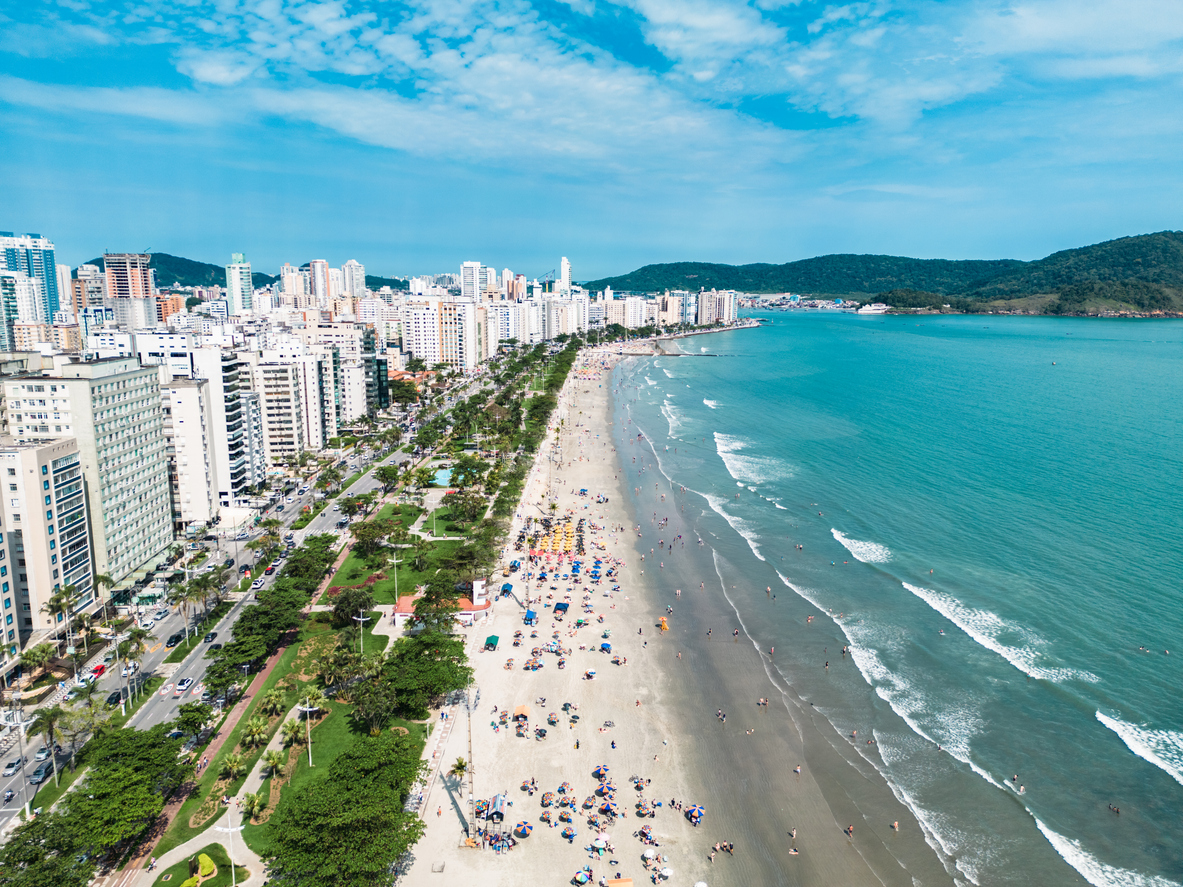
(376, 283)
(1143, 273)
(179, 271)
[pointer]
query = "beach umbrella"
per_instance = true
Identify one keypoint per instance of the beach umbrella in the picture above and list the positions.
(523, 828)
(564, 788)
(601, 771)
(700, 884)
(581, 877)
(695, 812)
(547, 799)
(667, 872)
(599, 843)
(607, 807)
(649, 853)
(589, 801)
(568, 832)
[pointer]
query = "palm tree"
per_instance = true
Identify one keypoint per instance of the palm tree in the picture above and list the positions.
(459, 768)
(253, 804)
(60, 606)
(101, 581)
(37, 657)
(133, 649)
(272, 702)
(45, 722)
(292, 732)
(233, 766)
(254, 733)
(275, 761)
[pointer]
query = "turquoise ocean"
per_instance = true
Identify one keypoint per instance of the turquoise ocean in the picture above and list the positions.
(991, 521)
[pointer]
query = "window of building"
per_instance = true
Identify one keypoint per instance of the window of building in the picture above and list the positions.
(45, 469)
(12, 472)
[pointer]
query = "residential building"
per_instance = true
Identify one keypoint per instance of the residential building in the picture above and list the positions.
(8, 310)
(281, 408)
(33, 256)
(353, 276)
(240, 288)
(127, 276)
(188, 431)
(45, 530)
(564, 277)
(112, 408)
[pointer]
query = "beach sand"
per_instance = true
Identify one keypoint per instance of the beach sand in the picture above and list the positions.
(744, 780)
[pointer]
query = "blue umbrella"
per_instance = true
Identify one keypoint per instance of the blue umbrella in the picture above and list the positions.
(523, 828)
(695, 812)
(601, 771)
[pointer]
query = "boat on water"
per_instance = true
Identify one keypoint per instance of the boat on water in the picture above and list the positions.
(876, 308)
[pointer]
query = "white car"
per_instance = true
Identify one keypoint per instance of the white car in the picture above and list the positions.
(336, 508)
(182, 685)
(242, 536)
(130, 668)
(147, 624)
(257, 584)
(160, 614)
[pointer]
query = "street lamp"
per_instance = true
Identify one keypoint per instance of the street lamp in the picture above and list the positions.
(308, 709)
(230, 830)
(361, 635)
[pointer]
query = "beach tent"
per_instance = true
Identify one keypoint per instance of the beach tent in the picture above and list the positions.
(607, 648)
(531, 617)
(491, 642)
(620, 882)
(522, 711)
(561, 608)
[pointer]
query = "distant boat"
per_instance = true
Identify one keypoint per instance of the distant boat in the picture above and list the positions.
(877, 308)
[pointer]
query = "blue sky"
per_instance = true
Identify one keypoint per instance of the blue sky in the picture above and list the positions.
(413, 136)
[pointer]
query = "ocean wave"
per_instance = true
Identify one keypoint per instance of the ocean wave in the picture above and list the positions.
(672, 417)
(1162, 748)
(1098, 873)
(650, 381)
(713, 404)
(748, 469)
(736, 523)
(988, 629)
(867, 552)
(668, 374)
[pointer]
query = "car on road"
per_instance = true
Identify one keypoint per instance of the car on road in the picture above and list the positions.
(115, 698)
(280, 507)
(175, 734)
(270, 569)
(336, 507)
(160, 614)
(303, 491)
(245, 568)
(43, 752)
(229, 562)
(209, 638)
(174, 639)
(130, 668)
(213, 648)
(289, 499)
(242, 536)
(182, 686)
(257, 584)
(42, 773)
(209, 538)
(14, 766)
(147, 624)
(195, 546)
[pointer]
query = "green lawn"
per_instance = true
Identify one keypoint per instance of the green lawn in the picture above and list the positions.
(176, 875)
(354, 571)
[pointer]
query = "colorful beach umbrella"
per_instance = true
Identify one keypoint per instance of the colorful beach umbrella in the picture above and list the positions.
(564, 788)
(523, 828)
(607, 807)
(601, 771)
(568, 832)
(695, 811)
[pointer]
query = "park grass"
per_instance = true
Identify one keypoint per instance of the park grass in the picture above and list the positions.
(176, 875)
(354, 572)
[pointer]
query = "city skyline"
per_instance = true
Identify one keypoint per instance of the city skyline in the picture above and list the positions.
(620, 134)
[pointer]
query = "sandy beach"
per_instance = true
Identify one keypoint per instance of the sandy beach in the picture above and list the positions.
(773, 778)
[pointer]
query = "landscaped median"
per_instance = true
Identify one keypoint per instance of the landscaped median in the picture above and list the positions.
(178, 874)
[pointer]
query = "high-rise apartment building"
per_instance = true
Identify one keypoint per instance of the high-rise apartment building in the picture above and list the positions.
(281, 407)
(8, 310)
(46, 530)
(128, 276)
(188, 437)
(240, 288)
(564, 277)
(32, 255)
(353, 273)
(113, 409)
(318, 282)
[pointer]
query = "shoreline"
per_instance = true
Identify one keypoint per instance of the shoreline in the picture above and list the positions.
(663, 709)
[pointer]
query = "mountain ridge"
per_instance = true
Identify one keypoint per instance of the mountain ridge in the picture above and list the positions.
(1142, 271)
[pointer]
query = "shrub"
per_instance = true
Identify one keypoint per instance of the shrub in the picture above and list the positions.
(205, 865)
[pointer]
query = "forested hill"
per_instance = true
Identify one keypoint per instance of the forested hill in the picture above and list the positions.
(824, 274)
(1143, 272)
(179, 271)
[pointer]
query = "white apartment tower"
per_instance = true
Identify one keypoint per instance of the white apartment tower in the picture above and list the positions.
(113, 409)
(240, 289)
(353, 274)
(564, 277)
(188, 435)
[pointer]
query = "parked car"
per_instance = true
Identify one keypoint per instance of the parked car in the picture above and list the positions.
(43, 752)
(98, 670)
(14, 766)
(115, 698)
(174, 639)
(209, 638)
(182, 685)
(42, 773)
(245, 568)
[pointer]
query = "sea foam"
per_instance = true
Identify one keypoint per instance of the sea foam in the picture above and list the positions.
(747, 469)
(1098, 873)
(672, 417)
(713, 404)
(736, 523)
(988, 629)
(1162, 748)
(867, 552)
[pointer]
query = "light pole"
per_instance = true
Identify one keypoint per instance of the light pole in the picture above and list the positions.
(230, 830)
(470, 703)
(361, 619)
(308, 709)
(19, 711)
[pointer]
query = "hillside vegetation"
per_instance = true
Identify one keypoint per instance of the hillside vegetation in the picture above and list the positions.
(1142, 273)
